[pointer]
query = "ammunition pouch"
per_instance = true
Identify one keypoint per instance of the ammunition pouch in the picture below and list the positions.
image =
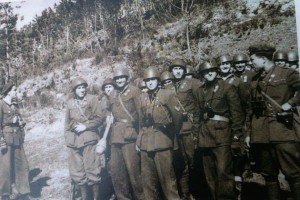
(165, 128)
(185, 117)
(286, 118)
(258, 107)
(208, 113)
(148, 121)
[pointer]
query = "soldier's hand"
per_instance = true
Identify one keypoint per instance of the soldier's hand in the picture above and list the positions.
(137, 148)
(286, 107)
(247, 141)
(15, 119)
(80, 128)
(237, 146)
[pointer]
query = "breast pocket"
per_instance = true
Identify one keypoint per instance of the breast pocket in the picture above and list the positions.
(276, 87)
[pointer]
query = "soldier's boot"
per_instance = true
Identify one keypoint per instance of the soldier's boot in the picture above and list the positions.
(295, 187)
(273, 190)
(84, 192)
(96, 191)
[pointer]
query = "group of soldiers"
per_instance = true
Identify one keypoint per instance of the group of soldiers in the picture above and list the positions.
(233, 105)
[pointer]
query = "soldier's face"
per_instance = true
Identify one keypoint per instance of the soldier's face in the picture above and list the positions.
(13, 92)
(167, 82)
(225, 67)
(293, 65)
(151, 83)
(178, 72)
(81, 91)
(257, 61)
(210, 75)
(108, 89)
(280, 62)
(240, 66)
(121, 81)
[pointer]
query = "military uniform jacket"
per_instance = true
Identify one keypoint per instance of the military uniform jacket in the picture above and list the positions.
(224, 101)
(247, 76)
(280, 83)
(92, 117)
(124, 129)
(163, 110)
(186, 95)
(243, 88)
(10, 131)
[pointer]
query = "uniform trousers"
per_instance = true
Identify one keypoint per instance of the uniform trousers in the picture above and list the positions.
(284, 156)
(158, 171)
(218, 169)
(14, 169)
(186, 149)
(126, 172)
(84, 165)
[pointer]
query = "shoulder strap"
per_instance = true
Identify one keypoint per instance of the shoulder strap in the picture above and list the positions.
(124, 108)
(81, 111)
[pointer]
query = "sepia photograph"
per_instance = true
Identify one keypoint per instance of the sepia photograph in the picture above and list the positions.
(149, 100)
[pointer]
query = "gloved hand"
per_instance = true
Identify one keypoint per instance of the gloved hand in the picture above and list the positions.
(137, 148)
(237, 147)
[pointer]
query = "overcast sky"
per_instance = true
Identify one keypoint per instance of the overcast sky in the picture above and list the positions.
(30, 8)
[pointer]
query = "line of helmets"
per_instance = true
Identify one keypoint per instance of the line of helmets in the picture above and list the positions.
(280, 57)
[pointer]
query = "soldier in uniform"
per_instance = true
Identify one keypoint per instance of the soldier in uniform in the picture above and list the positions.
(293, 59)
(166, 80)
(14, 169)
(190, 72)
(280, 58)
(107, 87)
(240, 62)
(160, 121)
(185, 93)
(220, 132)
(83, 117)
(239, 158)
(125, 161)
(272, 135)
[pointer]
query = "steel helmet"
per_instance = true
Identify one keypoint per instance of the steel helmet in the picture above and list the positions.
(292, 56)
(207, 66)
(190, 70)
(78, 81)
(177, 63)
(120, 72)
(279, 55)
(241, 57)
(108, 81)
(166, 75)
(151, 72)
(141, 84)
(224, 58)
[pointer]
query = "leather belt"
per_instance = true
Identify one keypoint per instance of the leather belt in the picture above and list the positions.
(219, 118)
